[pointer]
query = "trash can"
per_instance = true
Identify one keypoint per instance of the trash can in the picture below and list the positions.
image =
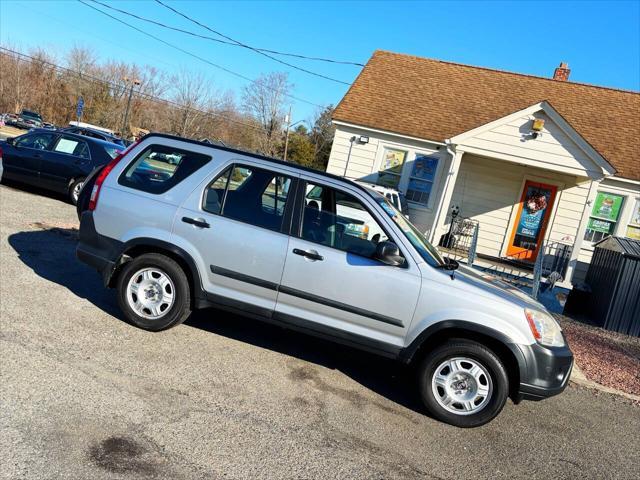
(614, 280)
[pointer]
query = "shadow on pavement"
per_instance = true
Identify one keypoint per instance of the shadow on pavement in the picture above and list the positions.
(50, 253)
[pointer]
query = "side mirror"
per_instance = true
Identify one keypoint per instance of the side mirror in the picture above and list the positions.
(389, 254)
(10, 140)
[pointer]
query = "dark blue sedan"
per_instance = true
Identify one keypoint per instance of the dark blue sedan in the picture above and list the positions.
(57, 161)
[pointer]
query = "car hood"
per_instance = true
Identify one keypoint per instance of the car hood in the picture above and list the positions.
(494, 287)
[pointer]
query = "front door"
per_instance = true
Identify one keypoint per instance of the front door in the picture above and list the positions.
(534, 210)
(331, 279)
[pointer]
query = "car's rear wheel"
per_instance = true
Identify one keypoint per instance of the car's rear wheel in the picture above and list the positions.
(153, 292)
(74, 190)
(463, 383)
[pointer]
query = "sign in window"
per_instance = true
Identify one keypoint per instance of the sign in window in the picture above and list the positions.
(604, 216)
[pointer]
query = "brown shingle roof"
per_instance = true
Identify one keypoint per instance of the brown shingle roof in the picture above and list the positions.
(437, 100)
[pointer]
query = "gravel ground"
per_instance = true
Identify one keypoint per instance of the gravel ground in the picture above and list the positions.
(84, 395)
(608, 358)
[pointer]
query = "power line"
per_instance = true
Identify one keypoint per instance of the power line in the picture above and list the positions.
(239, 44)
(231, 42)
(186, 52)
(147, 96)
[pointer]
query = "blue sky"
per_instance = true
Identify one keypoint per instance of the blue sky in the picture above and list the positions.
(599, 40)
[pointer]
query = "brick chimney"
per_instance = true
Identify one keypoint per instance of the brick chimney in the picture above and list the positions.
(562, 72)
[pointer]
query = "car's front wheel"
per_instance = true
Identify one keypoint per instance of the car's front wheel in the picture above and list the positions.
(153, 292)
(463, 383)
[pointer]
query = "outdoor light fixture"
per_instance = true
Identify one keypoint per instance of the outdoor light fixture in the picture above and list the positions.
(363, 139)
(538, 125)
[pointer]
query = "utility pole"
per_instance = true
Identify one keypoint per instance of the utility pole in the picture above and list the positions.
(286, 138)
(134, 82)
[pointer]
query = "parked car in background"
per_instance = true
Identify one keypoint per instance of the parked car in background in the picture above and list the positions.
(395, 197)
(10, 119)
(57, 161)
(28, 119)
(215, 226)
(90, 132)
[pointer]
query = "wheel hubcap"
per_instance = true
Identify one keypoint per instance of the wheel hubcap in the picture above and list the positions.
(76, 190)
(462, 386)
(150, 293)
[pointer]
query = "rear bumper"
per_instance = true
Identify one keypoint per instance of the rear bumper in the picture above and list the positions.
(96, 250)
(545, 372)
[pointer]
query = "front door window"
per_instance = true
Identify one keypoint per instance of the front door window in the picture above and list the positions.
(531, 221)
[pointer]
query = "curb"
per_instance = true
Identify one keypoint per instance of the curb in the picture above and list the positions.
(578, 378)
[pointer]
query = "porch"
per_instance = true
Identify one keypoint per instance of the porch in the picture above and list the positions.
(528, 192)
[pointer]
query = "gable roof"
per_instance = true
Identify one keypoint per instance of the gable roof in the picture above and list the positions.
(437, 100)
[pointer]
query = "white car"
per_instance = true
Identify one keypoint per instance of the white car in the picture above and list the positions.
(394, 196)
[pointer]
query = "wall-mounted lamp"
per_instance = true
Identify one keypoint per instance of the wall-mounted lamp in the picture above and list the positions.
(363, 140)
(538, 125)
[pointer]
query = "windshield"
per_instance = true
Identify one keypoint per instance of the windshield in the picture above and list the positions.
(417, 239)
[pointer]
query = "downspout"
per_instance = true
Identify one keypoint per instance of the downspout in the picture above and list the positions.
(450, 148)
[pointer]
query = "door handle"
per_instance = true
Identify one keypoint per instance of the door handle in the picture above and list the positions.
(311, 254)
(197, 222)
(37, 155)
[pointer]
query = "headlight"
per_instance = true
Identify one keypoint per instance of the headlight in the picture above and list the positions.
(544, 327)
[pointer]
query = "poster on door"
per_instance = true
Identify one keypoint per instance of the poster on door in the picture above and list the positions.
(535, 205)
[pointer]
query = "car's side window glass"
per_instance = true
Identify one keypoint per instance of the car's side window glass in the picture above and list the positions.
(39, 141)
(160, 167)
(214, 193)
(72, 146)
(250, 195)
(339, 220)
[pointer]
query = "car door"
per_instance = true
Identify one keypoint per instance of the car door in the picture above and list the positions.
(22, 159)
(331, 277)
(64, 162)
(237, 225)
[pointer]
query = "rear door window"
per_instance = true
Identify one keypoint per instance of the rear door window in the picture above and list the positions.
(71, 146)
(249, 194)
(160, 167)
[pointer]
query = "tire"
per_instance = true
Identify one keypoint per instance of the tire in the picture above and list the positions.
(476, 371)
(148, 306)
(74, 190)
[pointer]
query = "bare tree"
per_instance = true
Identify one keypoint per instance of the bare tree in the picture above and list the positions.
(265, 99)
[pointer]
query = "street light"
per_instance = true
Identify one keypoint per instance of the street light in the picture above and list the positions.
(134, 82)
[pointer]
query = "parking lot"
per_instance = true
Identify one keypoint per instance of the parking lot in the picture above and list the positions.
(85, 395)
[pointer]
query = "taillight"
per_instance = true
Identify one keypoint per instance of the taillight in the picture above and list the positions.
(95, 193)
(0, 153)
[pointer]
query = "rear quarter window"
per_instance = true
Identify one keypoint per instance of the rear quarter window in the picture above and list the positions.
(160, 167)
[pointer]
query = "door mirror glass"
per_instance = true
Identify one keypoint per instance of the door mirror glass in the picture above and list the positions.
(389, 254)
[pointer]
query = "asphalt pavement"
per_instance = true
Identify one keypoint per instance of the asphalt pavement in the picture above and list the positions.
(86, 396)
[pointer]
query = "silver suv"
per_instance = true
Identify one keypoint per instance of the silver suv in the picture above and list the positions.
(311, 251)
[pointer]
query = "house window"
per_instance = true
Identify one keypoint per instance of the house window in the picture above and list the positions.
(390, 171)
(604, 216)
(633, 230)
(423, 171)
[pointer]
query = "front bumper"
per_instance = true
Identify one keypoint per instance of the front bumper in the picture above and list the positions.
(545, 372)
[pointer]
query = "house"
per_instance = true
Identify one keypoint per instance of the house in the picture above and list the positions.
(531, 159)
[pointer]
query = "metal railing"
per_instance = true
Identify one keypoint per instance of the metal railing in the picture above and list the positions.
(551, 263)
(461, 240)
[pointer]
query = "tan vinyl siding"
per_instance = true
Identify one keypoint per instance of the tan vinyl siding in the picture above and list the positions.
(488, 190)
(552, 149)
